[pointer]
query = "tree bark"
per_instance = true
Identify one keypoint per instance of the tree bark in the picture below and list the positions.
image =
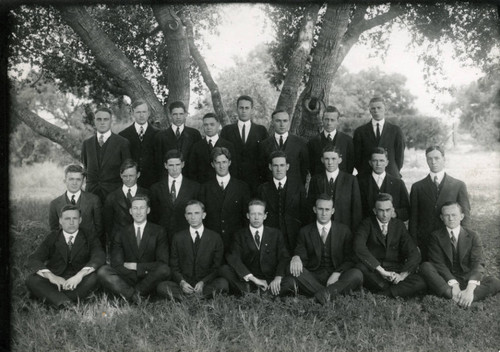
(112, 59)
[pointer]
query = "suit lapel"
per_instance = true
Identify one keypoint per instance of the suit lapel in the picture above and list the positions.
(146, 237)
(444, 241)
(378, 233)
(62, 247)
(111, 146)
(291, 192)
(464, 242)
(78, 244)
(339, 184)
(429, 186)
(444, 189)
(130, 234)
(316, 241)
(371, 133)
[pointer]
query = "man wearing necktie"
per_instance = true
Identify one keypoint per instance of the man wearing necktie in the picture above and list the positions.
(428, 195)
(388, 255)
(455, 269)
(195, 258)
(64, 264)
(258, 258)
(88, 203)
(139, 256)
(323, 261)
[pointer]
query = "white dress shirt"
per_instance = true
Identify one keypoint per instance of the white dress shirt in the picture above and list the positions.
(381, 126)
(105, 136)
(193, 231)
(77, 195)
(178, 183)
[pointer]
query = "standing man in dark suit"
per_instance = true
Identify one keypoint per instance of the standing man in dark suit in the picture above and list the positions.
(226, 198)
(428, 195)
(195, 259)
(201, 169)
(258, 258)
(323, 264)
(117, 207)
(381, 182)
(339, 185)
(287, 207)
(294, 147)
(170, 196)
(378, 133)
(246, 137)
(141, 136)
(177, 136)
(64, 264)
(102, 155)
(139, 256)
(389, 257)
(455, 270)
(88, 203)
(330, 135)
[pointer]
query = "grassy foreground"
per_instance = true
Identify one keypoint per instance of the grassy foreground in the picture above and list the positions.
(363, 322)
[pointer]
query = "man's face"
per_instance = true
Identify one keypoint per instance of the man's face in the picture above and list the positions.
(279, 167)
(141, 114)
(73, 181)
(244, 110)
(324, 211)
(194, 215)
(70, 220)
(377, 110)
(330, 121)
(256, 215)
(174, 167)
(102, 121)
(129, 176)
(435, 160)
(451, 216)
(383, 210)
(331, 160)
(178, 116)
(281, 122)
(210, 126)
(221, 165)
(139, 211)
(378, 162)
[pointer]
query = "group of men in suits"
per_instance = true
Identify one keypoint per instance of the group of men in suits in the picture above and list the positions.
(343, 232)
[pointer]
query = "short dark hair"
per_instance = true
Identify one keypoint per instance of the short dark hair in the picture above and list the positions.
(218, 151)
(69, 207)
(377, 99)
(450, 203)
(139, 102)
(256, 201)
(324, 196)
(173, 154)
(211, 115)
(140, 197)
(329, 147)
(103, 109)
(194, 202)
(277, 112)
(331, 108)
(128, 164)
(278, 154)
(433, 148)
(244, 97)
(175, 105)
(74, 168)
(379, 150)
(383, 197)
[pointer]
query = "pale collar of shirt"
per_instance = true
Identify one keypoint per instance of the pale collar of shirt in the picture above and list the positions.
(440, 176)
(381, 223)
(68, 235)
(327, 226)
(277, 182)
(133, 190)
(379, 179)
(277, 137)
(193, 231)
(178, 183)
(105, 136)
(214, 139)
(247, 125)
(253, 230)
(224, 179)
(381, 125)
(456, 232)
(77, 195)
(181, 128)
(141, 226)
(332, 134)
(138, 127)
(333, 175)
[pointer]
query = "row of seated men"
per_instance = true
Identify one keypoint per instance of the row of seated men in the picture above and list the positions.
(328, 259)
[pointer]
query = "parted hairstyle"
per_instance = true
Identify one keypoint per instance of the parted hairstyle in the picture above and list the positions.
(256, 201)
(128, 164)
(383, 197)
(74, 168)
(194, 202)
(173, 154)
(69, 207)
(452, 202)
(278, 154)
(379, 150)
(433, 148)
(331, 108)
(139, 197)
(103, 109)
(329, 147)
(175, 105)
(244, 97)
(324, 196)
(218, 151)
(377, 100)
(211, 115)
(139, 102)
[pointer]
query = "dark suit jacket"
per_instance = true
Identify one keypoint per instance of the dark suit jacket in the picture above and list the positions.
(394, 186)
(470, 253)
(52, 254)
(165, 140)
(309, 247)
(104, 178)
(347, 199)
(396, 252)
(297, 154)
(143, 153)
(342, 141)
(226, 211)
(270, 260)
(171, 215)
(296, 210)
(391, 139)
(426, 208)
(90, 210)
(116, 210)
(205, 266)
(152, 251)
(247, 154)
(200, 167)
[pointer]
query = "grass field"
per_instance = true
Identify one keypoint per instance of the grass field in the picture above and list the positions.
(363, 322)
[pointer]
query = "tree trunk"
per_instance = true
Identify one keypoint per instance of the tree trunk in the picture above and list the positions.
(112, 59)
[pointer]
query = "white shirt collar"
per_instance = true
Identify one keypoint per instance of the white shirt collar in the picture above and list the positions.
(133, 190)
(138, 127)
(334, 174)
(141, 226)
(332, 134)
(277, 137)
(327, 226)
(77, 195)
(178, 182)
(276, 182)
(260, 229)
(105, 136)
(225, 179)
(174, 128)
(440, 175)
(376, 177)
(456, 232)
(381, 223)
(192, 231)
(214, 139)
(68, 235)
(246, 123)
(381, 124)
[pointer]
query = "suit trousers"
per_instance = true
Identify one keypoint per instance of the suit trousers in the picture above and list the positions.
(173, 290)
(126, 286)
(311, 282)
(438, 285)
(413, 285)
(42, 288)
(239, 286)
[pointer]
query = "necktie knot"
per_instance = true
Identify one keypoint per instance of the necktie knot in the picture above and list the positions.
(129, 194)
(178, 132)
(141, 133)
(329, 137)
(280, 186)
(257, 239)
(101, 140)
(324, 234)
(210, 145)
(173, 191)
(70, 242)
(453, 239)
(221, 185)
(436, 182)
(281, 142)
(73, 201)
(384, 229)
